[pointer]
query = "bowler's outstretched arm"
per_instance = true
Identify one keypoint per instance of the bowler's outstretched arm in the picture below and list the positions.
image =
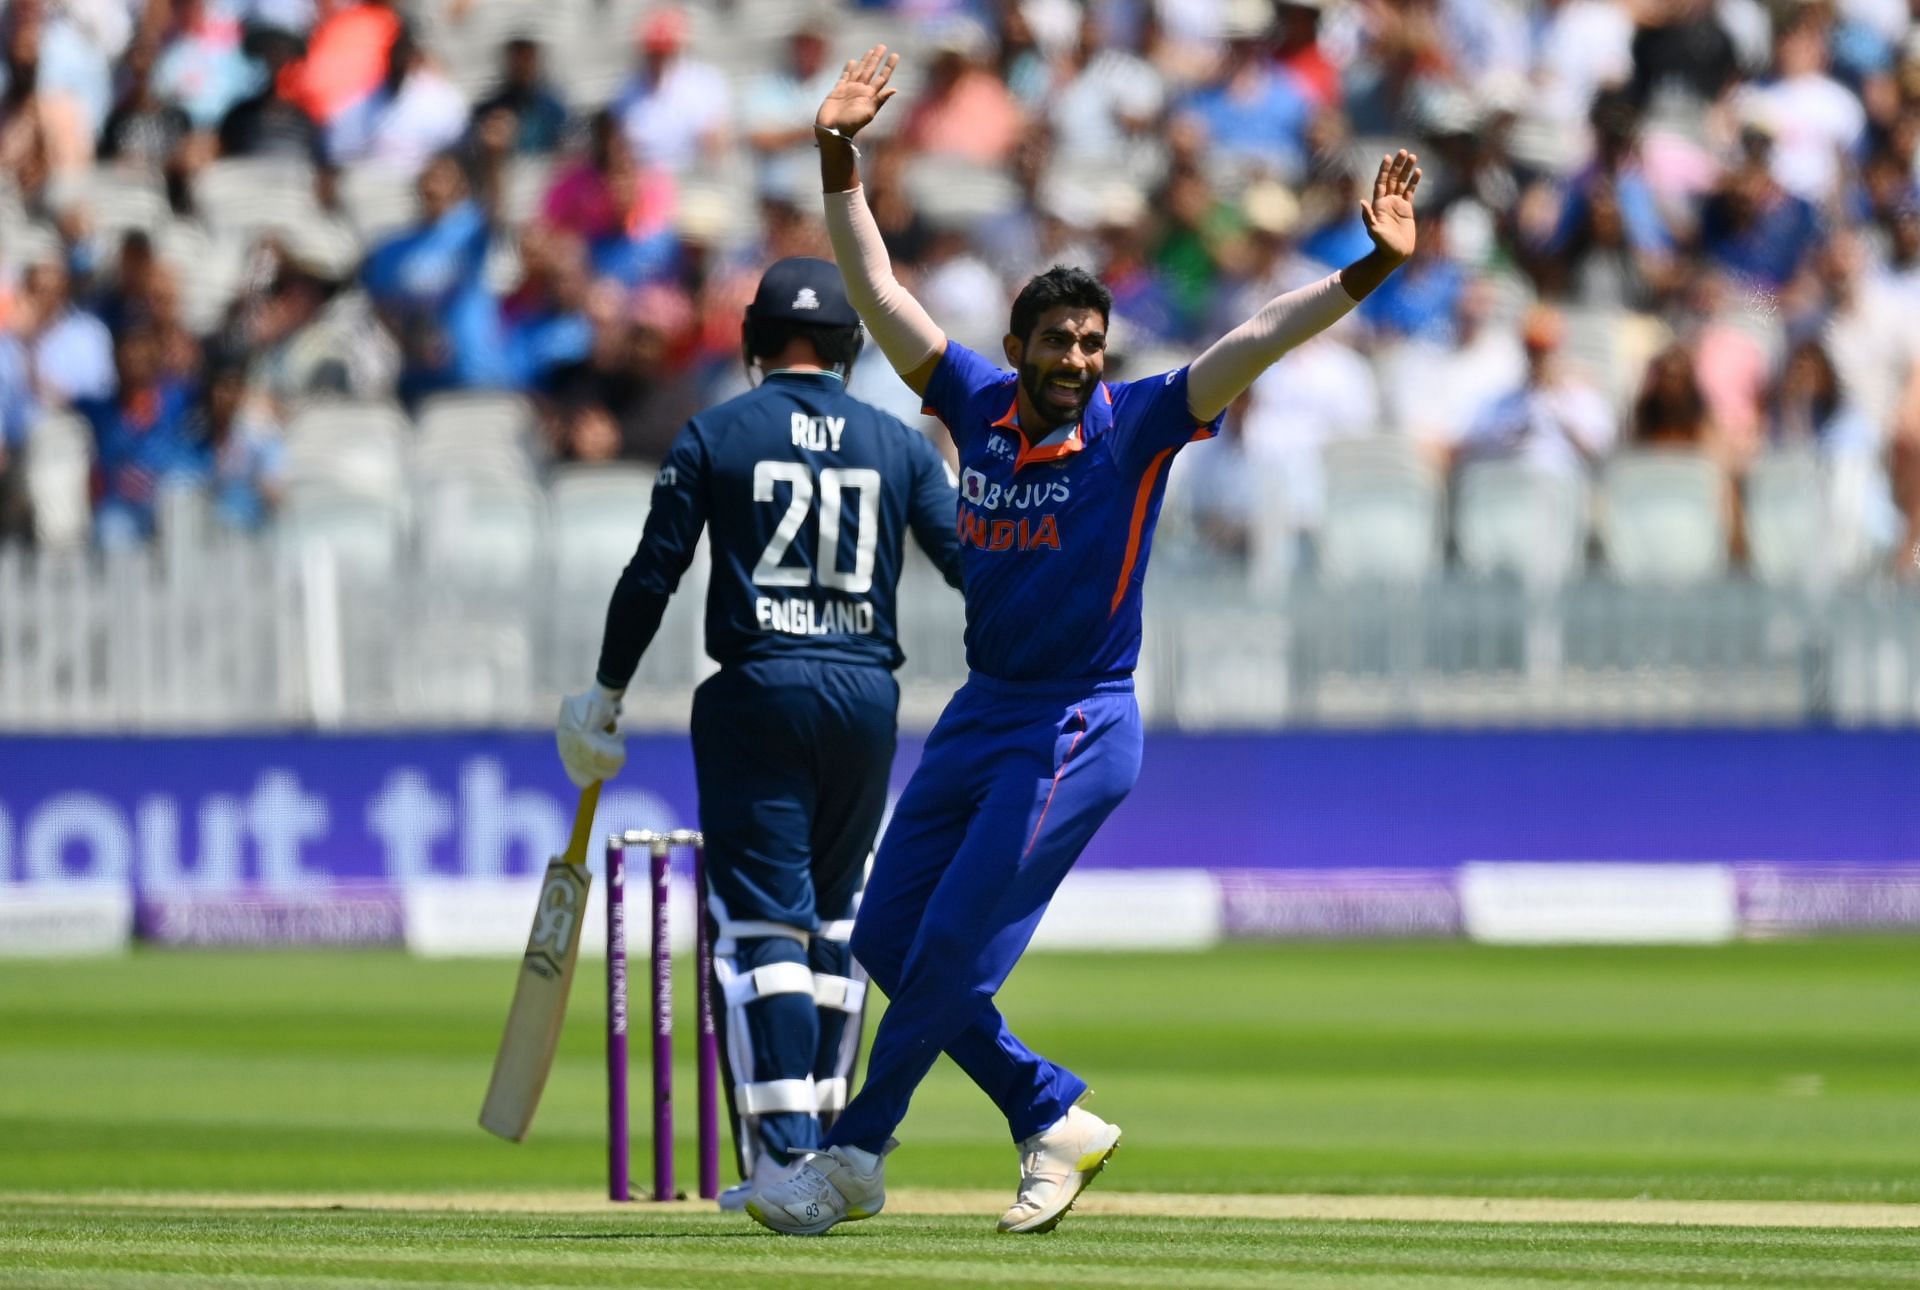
(905, 332)
(1231, 363)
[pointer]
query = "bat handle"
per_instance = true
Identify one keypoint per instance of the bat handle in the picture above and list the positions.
(581, 839)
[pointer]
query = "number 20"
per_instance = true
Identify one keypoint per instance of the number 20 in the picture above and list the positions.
(835, 482)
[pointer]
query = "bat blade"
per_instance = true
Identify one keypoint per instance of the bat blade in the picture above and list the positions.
(540, 995)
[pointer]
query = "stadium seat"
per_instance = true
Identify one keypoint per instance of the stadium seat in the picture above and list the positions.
(482, 532)
(1801, 528)
(1510, 517)
(120, 199)
(1382, 512)
(949, 192)
(597, 515)
(362, 531)
(183, 523)
(208, 269)
(243, 197)
(59, 466)
(1663, 518)
(356, 447)
(379, 201)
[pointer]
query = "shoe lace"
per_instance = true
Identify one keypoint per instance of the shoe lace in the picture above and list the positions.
(809, 1180)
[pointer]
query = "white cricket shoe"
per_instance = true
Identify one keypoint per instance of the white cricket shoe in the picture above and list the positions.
(1056, 1165)
(821, 1189)
(734, 1199)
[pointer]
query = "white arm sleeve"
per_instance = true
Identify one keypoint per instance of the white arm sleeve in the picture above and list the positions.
(1231, 363)
(902, 329)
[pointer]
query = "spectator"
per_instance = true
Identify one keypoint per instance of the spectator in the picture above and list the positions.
(1753, 228)
(1867, 331)
(1317, 393)
(71, 350)
(245, 460)
(546, 317)
(1683, 60)
(143, 436)
(428, 286)
(201, 67)
(1108, 102)
(44, 134)
(1610, 245)
(18, 411)
(1554, 421)
(777, 115)
(1671, 410)
(1585, 47)
(962, 291)
(1199, 234)
(1434, 389)
(622, 400)
(349, 55)
(1422, 300)
(1730, 362)
(1298, 55)
(965, 112)
(1254, 115)
(527, 96)
(1812, 410)
(413, 113)
(144, 131)
(1816, 122)
(1143, 311)
(675, 111)
(272, 122)
(621, 209)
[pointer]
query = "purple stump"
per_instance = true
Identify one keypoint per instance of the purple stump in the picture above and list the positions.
(662, 1025)
(709, 1044)
(618, 1184)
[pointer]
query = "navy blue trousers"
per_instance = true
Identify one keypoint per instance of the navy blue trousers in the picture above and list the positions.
(792, 757)
(1015, 779)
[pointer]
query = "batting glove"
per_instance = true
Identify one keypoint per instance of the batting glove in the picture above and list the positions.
(591, 746)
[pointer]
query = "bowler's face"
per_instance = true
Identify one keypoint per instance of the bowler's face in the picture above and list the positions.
(1061, 362)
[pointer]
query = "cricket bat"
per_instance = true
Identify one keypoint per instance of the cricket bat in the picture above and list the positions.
(546, 973)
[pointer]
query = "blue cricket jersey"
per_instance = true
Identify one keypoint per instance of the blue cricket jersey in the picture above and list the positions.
(808, 494)
(1054, 535)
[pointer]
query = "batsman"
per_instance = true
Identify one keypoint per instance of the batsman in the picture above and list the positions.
(1062, 474)
(807, 494)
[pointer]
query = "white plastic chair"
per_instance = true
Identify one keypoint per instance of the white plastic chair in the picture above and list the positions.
(357, 447)
(1663, 518)
(59, 467)
(1510, 517)
(597, 514)
(1797, 533)
(482, 532)
(362, 531)
(1382, 520)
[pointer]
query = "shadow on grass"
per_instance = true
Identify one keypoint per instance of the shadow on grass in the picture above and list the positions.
(683, 1234)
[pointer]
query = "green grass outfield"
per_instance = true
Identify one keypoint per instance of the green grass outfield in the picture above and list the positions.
(176, 1119)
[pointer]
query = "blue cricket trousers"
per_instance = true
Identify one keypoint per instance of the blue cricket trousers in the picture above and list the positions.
(1015, 779)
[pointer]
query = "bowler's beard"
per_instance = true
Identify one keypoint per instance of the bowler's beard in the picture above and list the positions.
(1052, 419)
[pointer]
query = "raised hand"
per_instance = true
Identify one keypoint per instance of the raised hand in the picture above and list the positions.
(860, 93)
(1389, 216)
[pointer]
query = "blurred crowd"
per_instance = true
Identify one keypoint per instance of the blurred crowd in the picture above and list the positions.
(1690, 225)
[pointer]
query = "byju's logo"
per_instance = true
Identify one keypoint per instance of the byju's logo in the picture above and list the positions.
(806, 299)
(973, 485)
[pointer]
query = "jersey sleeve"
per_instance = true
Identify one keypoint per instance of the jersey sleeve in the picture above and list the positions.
(934, 503)
(1151, 416)
(667, 545)
(959, 380)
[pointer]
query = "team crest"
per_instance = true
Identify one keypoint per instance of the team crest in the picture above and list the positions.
(807, 299)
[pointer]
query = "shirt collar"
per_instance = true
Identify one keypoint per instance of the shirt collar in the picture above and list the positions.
(1059, 449)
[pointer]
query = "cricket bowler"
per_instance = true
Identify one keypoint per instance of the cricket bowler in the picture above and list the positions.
(1062, 475)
